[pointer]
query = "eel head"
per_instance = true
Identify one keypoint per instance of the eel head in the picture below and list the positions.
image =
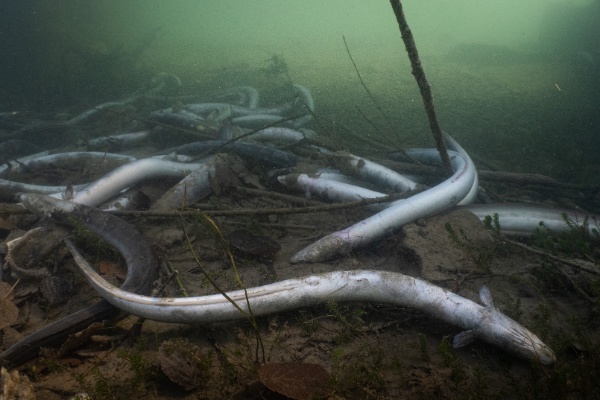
(504, 332)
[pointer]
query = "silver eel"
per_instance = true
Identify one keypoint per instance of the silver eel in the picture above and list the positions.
(142, 270)
(430, 202)
(485, 322)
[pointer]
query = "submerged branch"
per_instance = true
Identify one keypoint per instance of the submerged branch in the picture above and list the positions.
(424, 86)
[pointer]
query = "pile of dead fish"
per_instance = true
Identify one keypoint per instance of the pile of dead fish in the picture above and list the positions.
(201, 143)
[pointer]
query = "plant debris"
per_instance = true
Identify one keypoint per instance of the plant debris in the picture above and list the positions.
(183, 363)
(298, 381)
(8, 310)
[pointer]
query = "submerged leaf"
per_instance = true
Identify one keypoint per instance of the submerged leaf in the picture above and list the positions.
(297, 381)
(184, 363)
(77, 339)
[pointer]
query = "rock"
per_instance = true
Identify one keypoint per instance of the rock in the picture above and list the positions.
(439, 251)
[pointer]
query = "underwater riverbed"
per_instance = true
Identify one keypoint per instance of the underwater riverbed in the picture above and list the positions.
(515, 107)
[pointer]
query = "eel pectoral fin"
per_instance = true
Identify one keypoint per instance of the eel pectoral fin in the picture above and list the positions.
(463, 339)
(467, 337)
(486, 296)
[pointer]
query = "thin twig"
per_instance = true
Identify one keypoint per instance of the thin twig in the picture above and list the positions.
(276, 195)
(273, 211)
(364, 85)
(175, 274)
(12, 289)
(577, 265)
(249, 315)
(424, 86)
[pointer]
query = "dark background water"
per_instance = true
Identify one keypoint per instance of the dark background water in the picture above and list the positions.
(19, 52)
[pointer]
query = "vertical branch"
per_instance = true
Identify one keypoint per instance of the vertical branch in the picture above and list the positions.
(424, 87)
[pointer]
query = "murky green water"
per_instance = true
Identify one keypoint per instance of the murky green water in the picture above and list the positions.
(516, 82)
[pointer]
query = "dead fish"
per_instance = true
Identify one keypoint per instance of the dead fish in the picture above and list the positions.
(485, 322)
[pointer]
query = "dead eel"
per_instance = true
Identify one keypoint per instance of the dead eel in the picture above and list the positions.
(142, 270)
